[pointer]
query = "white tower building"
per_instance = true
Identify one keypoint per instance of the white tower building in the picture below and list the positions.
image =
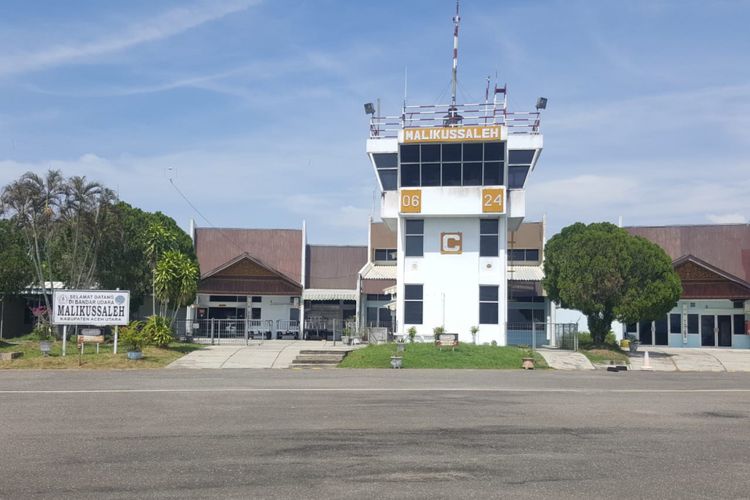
(452, 180)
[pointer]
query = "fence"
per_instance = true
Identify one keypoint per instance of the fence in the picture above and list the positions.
(561, 335)
(327, 329)
(227, 331)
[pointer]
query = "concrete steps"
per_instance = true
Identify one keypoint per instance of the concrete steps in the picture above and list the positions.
(319, 358)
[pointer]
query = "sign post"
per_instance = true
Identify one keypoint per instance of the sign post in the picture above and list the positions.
(90, 307)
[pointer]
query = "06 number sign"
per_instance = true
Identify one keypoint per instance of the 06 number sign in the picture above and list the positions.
(411, 201)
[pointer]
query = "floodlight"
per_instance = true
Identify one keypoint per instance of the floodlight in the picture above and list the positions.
(541, 103)
(369, 108)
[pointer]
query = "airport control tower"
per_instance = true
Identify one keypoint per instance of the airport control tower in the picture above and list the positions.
(452, 180)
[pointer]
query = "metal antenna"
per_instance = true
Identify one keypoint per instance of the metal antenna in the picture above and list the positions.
(453, 118)
(454, 75)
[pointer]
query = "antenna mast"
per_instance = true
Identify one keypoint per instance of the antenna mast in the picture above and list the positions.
(454, 76)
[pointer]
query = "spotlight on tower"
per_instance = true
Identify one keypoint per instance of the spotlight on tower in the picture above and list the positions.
(369, 108)
(541, 103)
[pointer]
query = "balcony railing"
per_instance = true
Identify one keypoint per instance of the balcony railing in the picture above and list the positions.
(442, 115)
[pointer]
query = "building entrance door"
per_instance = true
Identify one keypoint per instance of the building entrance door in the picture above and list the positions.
(645, 333)
(708, 331)
(725, 330)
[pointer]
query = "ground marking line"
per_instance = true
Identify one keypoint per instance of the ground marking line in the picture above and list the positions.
(366, 389)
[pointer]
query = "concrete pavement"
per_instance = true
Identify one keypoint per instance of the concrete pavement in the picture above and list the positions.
(565, 360)
(267, 354)
(692, 359)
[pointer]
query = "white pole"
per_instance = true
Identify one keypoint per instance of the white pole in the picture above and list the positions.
(65, 338)
(118, 289)
(117, 328)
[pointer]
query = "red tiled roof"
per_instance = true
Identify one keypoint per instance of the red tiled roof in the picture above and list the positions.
(724, 246)
(334, 267)
(279, 249)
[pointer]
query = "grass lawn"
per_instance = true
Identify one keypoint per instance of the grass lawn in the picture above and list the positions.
(153, 357)
(605, 355)
(427, 355)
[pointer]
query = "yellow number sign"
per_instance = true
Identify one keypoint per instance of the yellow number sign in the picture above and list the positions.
(493, 200)
(411, 201)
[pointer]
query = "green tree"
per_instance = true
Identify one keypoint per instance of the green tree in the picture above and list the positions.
(125, 259)
(175, 281)
(16, 272)
(608, 275)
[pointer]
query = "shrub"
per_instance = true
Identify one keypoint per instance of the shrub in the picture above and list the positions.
(157, 331)
(585, 341)
(42, 331)
(132, 336)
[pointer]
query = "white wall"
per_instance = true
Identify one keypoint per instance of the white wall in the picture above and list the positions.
(454, 277)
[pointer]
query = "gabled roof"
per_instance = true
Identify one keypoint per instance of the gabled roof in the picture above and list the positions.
(279, 250)
(724, 246)
(713, 269)
(247, 257)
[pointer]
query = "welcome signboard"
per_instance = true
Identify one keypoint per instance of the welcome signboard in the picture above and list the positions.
(91, 307)
(481, 133)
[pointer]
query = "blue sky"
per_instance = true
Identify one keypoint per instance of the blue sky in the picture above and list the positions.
(257, 106)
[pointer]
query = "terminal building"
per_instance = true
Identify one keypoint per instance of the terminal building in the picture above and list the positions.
(713, 262)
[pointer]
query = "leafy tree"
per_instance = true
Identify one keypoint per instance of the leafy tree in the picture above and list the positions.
(125, 260)
(175, 281)
(16, 272)
(608, 274)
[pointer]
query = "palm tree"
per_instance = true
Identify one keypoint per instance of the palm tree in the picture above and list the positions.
(158, 241)
(175, 281)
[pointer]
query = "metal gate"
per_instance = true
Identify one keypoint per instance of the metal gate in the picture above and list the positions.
(537, 334)
(234, 331)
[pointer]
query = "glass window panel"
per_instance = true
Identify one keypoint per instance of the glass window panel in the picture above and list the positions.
(693, 323)
(739, 324)
(451, 152)
(255, 313)
(388, 179)
(386, 160)
(414, 226)
(472, 174)
(473, 152)
(493, 151)
(532, 254)
(409, 175)
(430, 174)
(381, 254)
(488, 246)
(660, 326)
(632, 328)
(413, 312)
(372, 315)
(518, 255)
(488, 226)
(410, 153)
(413, 292)
(520, 156)
(256, 299)
(517, 176)
(675, 323)
(493, 173)
(539, 315)
(430, 153)
(488, 313)
(451, 174)
(414, 246)
(488, 293)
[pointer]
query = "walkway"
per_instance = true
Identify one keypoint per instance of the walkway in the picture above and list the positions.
(565, 360)
(268, 354)
(692, 359)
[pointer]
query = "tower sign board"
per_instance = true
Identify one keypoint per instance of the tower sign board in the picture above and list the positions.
(91, 307)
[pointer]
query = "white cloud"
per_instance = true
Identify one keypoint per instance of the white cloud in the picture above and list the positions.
(734, 218)
(168, 24)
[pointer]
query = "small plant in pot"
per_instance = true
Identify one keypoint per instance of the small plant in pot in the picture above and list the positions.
(134, 339)
(412, 333)
(634, 343)
(43, 333)
(474, 330)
